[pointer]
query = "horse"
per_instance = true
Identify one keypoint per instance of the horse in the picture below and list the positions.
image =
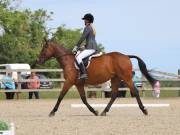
(113, 66)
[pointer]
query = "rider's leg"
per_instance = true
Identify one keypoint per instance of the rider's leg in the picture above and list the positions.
(83, 71)
(82, 55)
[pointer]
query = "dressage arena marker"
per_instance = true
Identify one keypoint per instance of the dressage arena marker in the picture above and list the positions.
(120, 105)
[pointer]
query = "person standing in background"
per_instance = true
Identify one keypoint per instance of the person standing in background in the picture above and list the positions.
(156, 90)
(9, 84)
(122, 91)
(34, 84)
(107, 89)
(135, 79)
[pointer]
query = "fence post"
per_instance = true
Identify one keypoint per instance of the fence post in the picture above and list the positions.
(61, 77)
(18, 84)
(179, 77)
(143, 85)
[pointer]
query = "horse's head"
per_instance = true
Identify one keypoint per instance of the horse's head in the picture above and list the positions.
(46, 53)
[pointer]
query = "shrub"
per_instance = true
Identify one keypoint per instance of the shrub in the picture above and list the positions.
(4, 125)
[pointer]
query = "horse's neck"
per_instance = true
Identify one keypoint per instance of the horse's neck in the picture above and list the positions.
(63, 59)
(66, 61)
(59, 49)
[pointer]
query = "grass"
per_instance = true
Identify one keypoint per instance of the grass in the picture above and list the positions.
(4, 126)
(74, 94)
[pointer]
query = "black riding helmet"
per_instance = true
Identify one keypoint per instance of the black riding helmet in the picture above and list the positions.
(88, 17)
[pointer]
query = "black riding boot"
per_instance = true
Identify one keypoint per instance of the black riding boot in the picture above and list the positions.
(83, 72)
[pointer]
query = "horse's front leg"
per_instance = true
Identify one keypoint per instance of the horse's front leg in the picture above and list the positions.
(83, 98)
(65, 89)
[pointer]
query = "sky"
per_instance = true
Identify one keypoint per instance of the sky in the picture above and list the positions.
(149, 29)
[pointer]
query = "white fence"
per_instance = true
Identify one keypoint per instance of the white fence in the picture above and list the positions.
(19, 81)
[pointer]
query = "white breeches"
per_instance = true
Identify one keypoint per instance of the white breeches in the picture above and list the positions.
(85, 53)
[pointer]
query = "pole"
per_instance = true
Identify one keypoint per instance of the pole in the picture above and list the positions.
(18, 84)
(143, 86)
(61, 76)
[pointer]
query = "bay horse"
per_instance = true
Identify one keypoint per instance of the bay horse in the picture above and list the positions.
(112, 66)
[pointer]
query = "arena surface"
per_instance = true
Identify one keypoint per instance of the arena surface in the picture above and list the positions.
(31, 118)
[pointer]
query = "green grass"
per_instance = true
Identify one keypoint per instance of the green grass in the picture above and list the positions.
(173, 93)
(45, 95)
(74, 94)
(4, 126)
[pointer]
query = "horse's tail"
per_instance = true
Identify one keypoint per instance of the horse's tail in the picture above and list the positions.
(144, 70)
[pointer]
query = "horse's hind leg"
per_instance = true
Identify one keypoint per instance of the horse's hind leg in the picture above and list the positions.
(114, 85)
(134, 90)
(83, 98)
(141, 106)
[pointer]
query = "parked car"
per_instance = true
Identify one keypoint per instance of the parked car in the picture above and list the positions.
(16, 66)
(43, 84)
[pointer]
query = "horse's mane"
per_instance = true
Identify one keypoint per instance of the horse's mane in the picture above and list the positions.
(60, 46)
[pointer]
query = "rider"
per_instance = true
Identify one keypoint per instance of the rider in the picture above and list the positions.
(89, 34)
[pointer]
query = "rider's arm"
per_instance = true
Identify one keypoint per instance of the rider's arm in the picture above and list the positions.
(84, 35)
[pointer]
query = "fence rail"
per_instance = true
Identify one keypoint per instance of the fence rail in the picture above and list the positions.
(31, 70)
(61, 80)
(89, 89)
(31, 80)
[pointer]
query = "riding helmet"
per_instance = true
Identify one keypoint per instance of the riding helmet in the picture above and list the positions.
(88, 17)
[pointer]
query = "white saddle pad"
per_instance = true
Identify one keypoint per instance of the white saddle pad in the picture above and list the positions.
(89, 61)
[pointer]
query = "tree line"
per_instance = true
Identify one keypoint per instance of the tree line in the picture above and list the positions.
(22, 33)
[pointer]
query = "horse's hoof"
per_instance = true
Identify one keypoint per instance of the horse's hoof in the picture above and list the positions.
(96, 113)
(51, 114)
(145, 111)
(103, 113)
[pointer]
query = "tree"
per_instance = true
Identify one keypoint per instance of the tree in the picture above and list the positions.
(67, 37)
(24, 33)
(10, 4)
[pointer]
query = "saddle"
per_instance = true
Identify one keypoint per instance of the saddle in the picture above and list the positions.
(87, 60)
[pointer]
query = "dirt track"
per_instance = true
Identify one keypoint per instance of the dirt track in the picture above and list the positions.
(31, 118)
